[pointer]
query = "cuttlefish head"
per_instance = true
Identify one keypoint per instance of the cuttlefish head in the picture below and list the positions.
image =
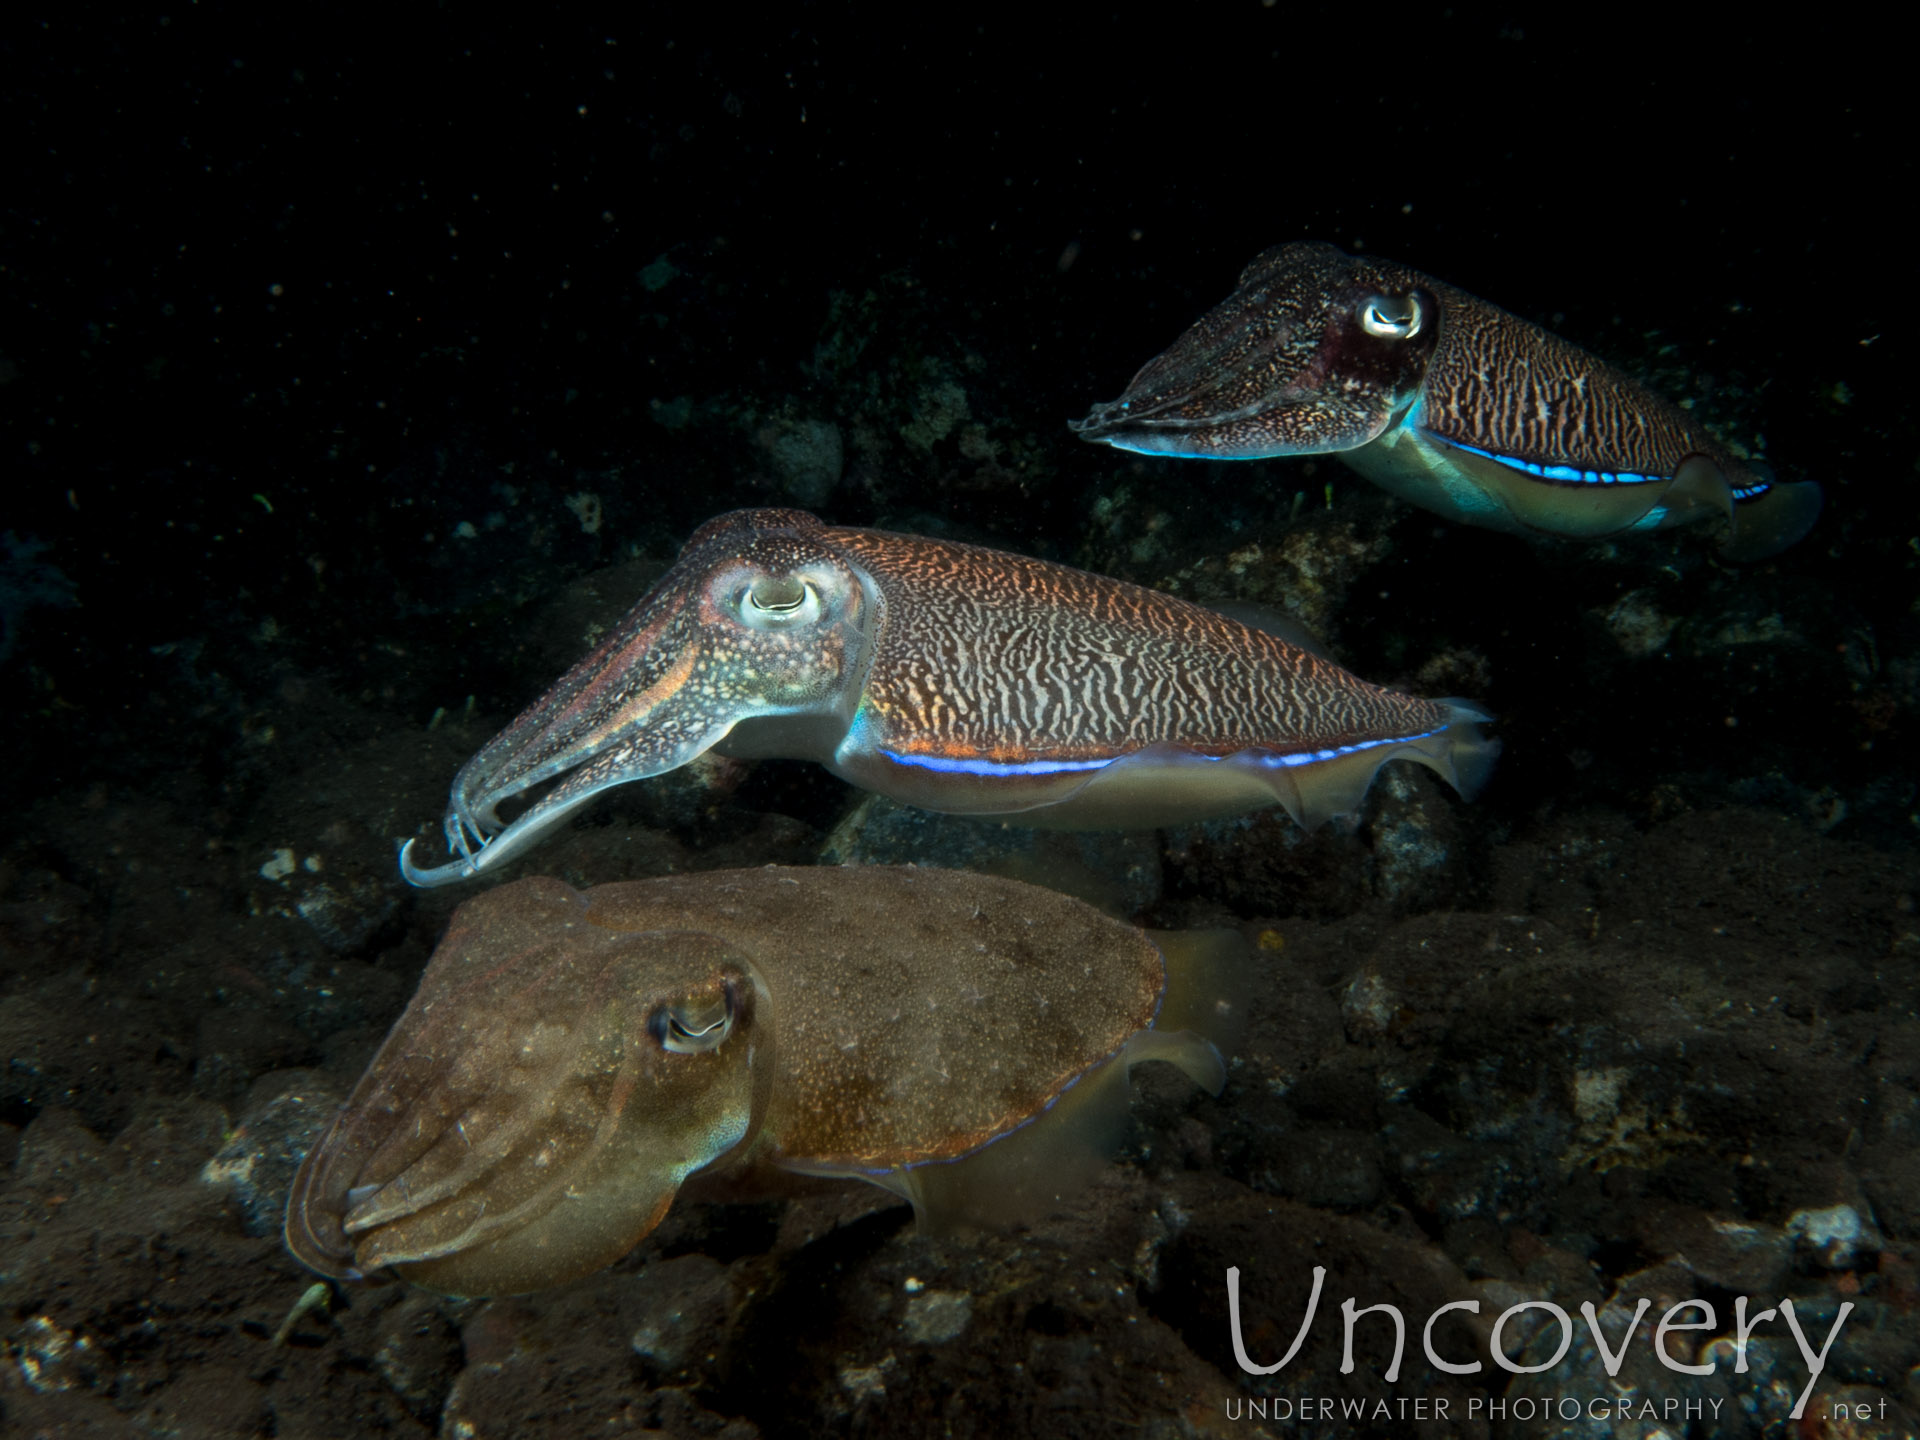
(533, 1114)
(1316, 351)
(759, 616)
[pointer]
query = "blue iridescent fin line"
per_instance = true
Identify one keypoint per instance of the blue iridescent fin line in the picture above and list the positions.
(1564, 474)
(1311, 757)
(994, 767)
(1054, 767)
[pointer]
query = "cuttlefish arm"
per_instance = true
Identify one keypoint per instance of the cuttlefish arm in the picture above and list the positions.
(748, 625)
(541, 1101)
(591, 720)
(1448, 402)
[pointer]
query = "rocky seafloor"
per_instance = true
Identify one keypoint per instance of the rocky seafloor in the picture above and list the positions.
(1641, 1023)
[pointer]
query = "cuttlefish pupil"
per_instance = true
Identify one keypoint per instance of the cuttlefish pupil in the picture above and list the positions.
(1446, 401)
(779, 598)
(1392, 319)
(687, 1029)
(955, 678)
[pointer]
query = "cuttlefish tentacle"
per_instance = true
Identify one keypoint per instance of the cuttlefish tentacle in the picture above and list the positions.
(956, 678)
(1448, 402)
(751, 622)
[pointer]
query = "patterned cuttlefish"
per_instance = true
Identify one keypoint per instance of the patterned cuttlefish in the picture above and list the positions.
(954, 678)
(1446, 401)
(573, 1059)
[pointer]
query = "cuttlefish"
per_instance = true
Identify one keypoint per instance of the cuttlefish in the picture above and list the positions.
(572, 1059)
(1446, 401)
(954, 678)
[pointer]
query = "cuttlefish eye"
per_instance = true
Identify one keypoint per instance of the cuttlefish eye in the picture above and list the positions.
(777, 594)
(695, 1025)
(1390, 318)
(779, 600)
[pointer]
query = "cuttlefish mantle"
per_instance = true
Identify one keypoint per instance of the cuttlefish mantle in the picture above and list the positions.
(1448, 402)
(573, 1059)
(954, 678)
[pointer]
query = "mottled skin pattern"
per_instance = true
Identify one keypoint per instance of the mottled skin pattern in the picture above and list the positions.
(1505, 385)
(920, 1012)
(1284, 366)
(1449, 402)
(991, 654)
(952, 677)
(571, 1058)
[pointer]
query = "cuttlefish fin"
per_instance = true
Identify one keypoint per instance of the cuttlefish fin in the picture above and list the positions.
(1206, 995)
(1458, 753)
(1028, 1173)
(1578, 512)
(1761, 518)
(1767, 523)
(1130, 793)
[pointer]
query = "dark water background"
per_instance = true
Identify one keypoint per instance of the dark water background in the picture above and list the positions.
(288, 300)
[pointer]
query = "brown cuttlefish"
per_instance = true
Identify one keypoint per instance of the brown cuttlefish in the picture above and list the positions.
(572, 1058)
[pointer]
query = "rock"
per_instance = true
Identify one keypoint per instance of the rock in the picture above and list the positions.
(51, 1358)
(60, 1156)
(419, 1351)
(1637, 624)
(273, 1136)
(346, 913)
(1636, 1401)
(1275, 1246)
(937, 1316)
(1742, 1256)
(1414, 831)
(684, 1305)
(1337, 1168)
(1833, 1234)
(563, 1359)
